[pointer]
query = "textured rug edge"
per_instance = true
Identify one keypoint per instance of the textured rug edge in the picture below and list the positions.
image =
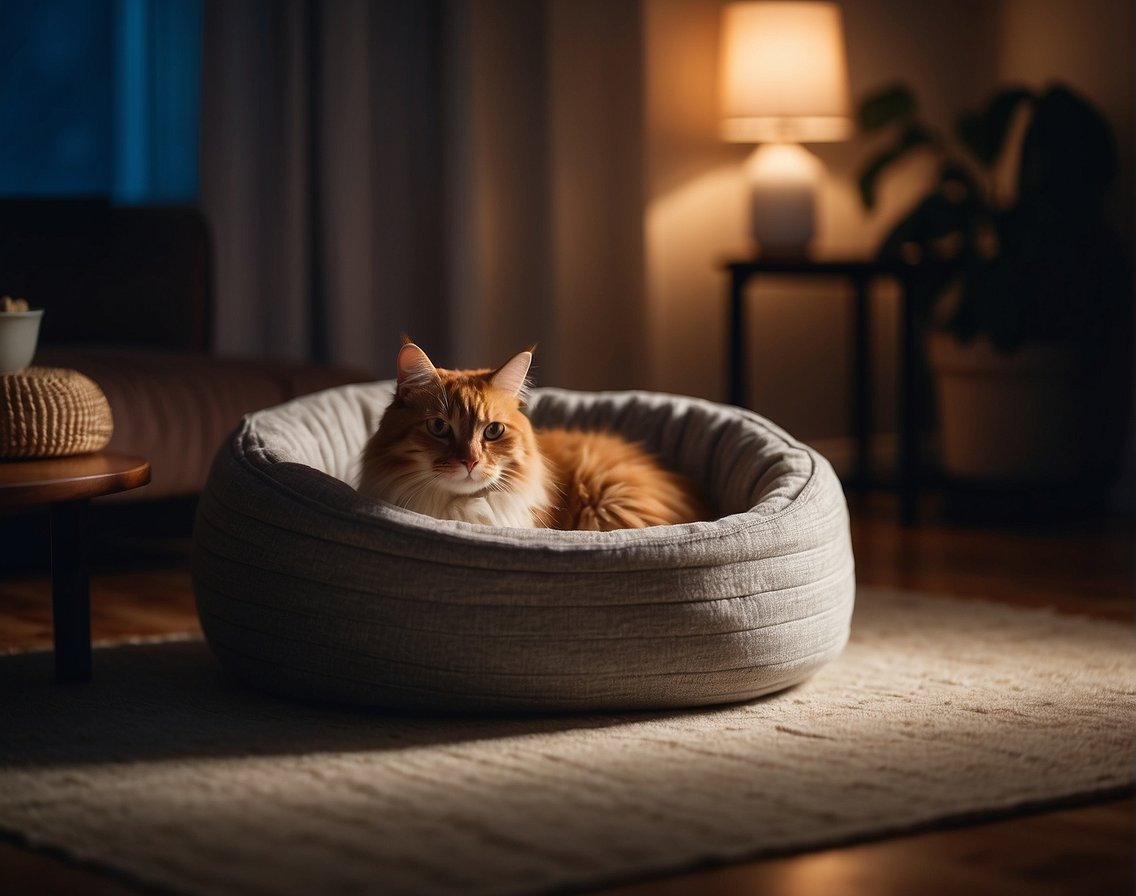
(69, 859)
(937, 824)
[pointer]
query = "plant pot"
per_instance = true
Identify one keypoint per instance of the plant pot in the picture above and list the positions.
(1008, 418)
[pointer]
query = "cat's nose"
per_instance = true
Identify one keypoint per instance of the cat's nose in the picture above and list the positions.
(470, 463)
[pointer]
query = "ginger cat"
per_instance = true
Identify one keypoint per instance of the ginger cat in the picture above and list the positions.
(454, 444)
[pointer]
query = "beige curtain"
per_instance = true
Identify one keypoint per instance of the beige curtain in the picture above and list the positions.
(321, 173)
(467, 171)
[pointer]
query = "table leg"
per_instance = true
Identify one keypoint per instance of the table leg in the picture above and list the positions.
(910, 461)
(70, 591)
(737, 372)
(862, 399)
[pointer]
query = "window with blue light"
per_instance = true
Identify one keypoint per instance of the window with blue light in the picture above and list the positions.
(100, 98)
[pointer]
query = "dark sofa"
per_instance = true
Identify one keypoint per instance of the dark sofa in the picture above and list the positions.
(129, 301)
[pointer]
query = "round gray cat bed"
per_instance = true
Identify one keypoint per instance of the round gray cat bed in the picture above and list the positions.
(307, 588)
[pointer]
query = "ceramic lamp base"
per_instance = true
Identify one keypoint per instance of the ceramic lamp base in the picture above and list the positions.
(783, 180)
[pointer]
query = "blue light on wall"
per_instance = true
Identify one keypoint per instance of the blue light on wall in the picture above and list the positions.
(100, 97)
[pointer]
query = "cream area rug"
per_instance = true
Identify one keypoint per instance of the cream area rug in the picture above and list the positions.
(165, 772)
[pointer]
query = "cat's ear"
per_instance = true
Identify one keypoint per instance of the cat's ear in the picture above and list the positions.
(510, 376)
(414, 369)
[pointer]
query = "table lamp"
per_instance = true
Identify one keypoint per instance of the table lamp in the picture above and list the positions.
(783, 82)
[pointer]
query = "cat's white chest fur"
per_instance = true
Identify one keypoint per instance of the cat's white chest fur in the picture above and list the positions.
(494, 509)
(471, 510)
(513, 509)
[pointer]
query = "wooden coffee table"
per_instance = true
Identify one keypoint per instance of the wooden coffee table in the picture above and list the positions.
(68, 484)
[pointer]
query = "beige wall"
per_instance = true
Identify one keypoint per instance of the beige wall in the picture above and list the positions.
(544, 188)
(596, 139)
(496, 136)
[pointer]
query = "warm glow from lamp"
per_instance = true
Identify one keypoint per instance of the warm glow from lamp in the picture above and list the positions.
(784, 81)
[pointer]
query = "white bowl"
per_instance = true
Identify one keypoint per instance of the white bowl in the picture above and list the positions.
(19, 333)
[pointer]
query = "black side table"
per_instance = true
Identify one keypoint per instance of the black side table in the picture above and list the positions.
(861, 274)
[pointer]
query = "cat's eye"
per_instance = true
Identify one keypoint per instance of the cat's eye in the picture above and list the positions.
(438, 428)
(494, 431)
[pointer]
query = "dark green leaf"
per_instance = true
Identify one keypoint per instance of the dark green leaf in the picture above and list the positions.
(1068, 153)
(892, 104)
(930, 221)
(984, 133)
(956, 179)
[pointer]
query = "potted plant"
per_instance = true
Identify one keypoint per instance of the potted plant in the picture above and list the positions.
(1026, 301)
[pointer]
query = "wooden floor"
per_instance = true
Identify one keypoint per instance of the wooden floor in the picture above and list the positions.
(142, 587)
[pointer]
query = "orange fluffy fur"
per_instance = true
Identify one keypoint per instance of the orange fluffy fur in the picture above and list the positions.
(455, 444)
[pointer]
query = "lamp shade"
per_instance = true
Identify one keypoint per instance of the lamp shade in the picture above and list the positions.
(784, 74)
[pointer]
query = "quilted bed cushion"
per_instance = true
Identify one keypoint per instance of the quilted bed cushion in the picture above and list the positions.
(307, 588)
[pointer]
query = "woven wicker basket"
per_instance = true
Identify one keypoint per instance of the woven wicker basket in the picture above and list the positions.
(52, 412)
